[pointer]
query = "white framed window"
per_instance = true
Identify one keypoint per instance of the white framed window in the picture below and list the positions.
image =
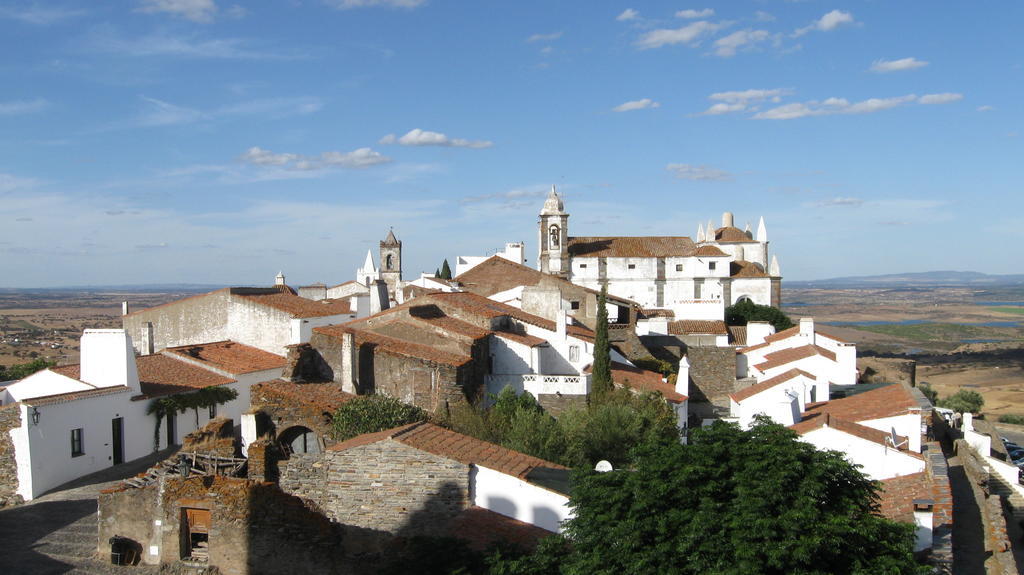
(574, 353)
(77, 446)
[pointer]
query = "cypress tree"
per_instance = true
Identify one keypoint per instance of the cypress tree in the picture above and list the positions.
(601, 374)
(446, 271)
(437, 272)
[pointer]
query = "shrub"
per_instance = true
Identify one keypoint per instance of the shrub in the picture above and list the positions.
(747, 311)
(964, 401)
(372, 413)
(1012, 418)
(929, 392)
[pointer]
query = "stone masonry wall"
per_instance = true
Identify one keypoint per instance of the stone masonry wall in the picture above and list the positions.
(712, 373)
(385, 486)
(884, 370)
(556, 404)
(10, 418)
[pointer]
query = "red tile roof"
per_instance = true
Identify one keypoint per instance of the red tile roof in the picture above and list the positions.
(643, 380)
(75, 395)
(737, 334)
(855, 429)
(522, 338)
(230, 356)
(394, 345)
(789, 355)
(697, 326)
(709, 252)
(161, 375)
(768, 384)
(497, 274)
(456, 446)
(482, 528)
(478, 304)
(743, 269)
(324, 397)
(637, 247)
(888, 401)
(732, 234)
(298, 307)
(897, 495)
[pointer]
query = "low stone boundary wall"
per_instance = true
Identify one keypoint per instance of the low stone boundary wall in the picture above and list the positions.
(993, 517)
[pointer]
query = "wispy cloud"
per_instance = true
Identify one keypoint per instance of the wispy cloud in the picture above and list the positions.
(350, 4)
(161, 44)
(202, 11)
(636, 105)
(884, 66)
(762, 16)
(695, 14)
(743, 100)
(985, 108)
(21, 107)
(699, 173)
(158, 113)
(840, 202)
(39, 15)
(827, 23)
(514, 195)
(418, 137)
(691, 35)
(833, 106)
(360, 158)
(544, 37)
(627, 15)
(10, 183)
(727, 46)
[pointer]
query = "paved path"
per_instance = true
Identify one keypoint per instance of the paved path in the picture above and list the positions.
(56, 533)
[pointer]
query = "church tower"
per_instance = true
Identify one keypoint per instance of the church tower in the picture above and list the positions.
(391, 261)
(554, 237)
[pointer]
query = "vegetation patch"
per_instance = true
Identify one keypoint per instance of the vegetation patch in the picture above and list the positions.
(926, 332)
(1014, 310)
(1012, 418)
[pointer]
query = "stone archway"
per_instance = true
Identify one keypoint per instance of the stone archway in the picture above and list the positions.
(299, 439)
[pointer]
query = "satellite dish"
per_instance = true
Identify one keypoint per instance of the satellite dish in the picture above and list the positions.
(603, 466)
(894, 439)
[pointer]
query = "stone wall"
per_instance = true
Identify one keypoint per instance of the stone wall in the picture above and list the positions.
(712, 374)
(556, 404)
(281, 411)
(192, 320)
(10, 418)
(255, 528)
(887, 370)
(263, 455)
(215, 438)
(385, 486)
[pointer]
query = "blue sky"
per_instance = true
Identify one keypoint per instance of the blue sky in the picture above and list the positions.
(202, 141)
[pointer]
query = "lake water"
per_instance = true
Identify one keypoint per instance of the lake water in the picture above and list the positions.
(919, 322)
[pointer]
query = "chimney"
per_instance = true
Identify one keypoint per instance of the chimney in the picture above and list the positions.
(108, 359)
(560, 323)
(279, 280)
(757, 331)
(807, 328)
(147, 346)
(124, 308)
(683, 379)
(348, 363)
(378, 296)
(727, 220)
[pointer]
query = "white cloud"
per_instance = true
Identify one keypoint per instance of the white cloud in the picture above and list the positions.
(724, 108)
(940, 98)
(985, 108)
(900, 65)
(762, 16)
(826, 23)
(544, 37)
(38, 15)
(727, 46)
(694, 14)
(832, 106)
(690, 34)
(349, 4)
(628, 14)
(9, 183)
(20, 107)
(636, 105)
(160, 113)
(105, 40)
(699, 173)
(741, 100)
(201, 11)
(840, 202)
(418, 137)
(360, 158)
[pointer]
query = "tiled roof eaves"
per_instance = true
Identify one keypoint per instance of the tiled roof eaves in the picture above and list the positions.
(75, 395)
(767, 384)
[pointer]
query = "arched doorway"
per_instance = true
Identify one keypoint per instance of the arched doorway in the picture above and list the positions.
(299, 439)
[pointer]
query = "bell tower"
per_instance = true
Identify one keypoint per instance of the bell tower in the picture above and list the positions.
(391, 261)
(553, 242)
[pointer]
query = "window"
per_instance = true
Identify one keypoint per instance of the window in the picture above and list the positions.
(711, 265)
(679, 267)
(632, 266)
(213, 411)
(76, 442)
(574, 353)
(583, 266)
(574, 305)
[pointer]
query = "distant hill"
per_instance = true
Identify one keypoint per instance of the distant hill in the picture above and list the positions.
(135, 288)
(916, 279)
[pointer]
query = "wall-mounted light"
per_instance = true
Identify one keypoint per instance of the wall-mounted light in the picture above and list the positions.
(35, 416)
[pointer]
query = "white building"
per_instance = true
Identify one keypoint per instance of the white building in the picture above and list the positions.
(724, 266)
(75, 420)
(828, 358)
(513, 252)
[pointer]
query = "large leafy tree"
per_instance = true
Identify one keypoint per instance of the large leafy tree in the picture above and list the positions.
(601, 373)
(730, 502)
(747, 311)
(372, 413)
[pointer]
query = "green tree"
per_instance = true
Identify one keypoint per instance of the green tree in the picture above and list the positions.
(601, 373)
(730, 502)
(372, 413)
(437, 272)
(964, 401)
(929, 392)
(172, 405)
(747, 311)
(24, 370)
(446, 271)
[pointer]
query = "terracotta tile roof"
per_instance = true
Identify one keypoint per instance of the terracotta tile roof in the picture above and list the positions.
(482, 528)
(768, 384)
(433, 316)
(744, 269)
(897, 495)
(780, 335)
(161, 375)
(731, 235)
(177, 301)
(635, 247)
(484, 307)
(888, 401)
(324, 397)
(230, 356)
(855, 429)
(456, 446)
(709, 252)
(697, 326)
(737, 334)
(394, 345)
(497, 274)
(658, 313)
(643, 380)
(298, 307)
(75, 395)
(789, 355)
(522, 338)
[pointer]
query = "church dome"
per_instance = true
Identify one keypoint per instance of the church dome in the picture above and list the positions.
(553, 205)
